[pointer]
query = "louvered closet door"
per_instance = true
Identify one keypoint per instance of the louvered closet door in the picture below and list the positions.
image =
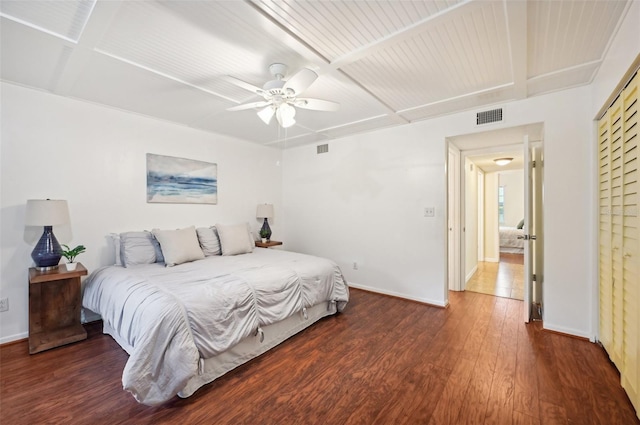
(616, 135)
(606, 289)
(630, 241)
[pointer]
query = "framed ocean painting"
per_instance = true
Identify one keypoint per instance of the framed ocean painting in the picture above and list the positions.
(181, 181)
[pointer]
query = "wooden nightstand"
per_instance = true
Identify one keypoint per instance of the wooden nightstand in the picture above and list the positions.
(267, 244)
(54, 308)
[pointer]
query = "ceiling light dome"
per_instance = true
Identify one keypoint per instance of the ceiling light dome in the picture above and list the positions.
(502, 161)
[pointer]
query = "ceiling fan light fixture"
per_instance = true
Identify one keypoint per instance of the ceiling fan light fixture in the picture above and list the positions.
(502, 161)
(281, 96)
(266, 114)
(285, 115)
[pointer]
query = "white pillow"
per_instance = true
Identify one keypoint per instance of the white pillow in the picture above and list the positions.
(235, 239)
(179, 246)
(209, 241)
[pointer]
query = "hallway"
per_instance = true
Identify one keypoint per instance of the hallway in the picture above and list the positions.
(503, 279)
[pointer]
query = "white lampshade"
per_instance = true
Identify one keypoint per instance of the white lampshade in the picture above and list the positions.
(266, 114)
(264, 211)
(46, 212)
(285, 114)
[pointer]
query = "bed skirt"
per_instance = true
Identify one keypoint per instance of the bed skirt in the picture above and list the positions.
(249, 348)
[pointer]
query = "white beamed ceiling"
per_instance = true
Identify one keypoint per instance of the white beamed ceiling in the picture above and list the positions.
(386, 62)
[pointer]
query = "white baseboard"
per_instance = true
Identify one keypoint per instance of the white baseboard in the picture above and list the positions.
(399, 295)
(471, 273)
(492, 260)
(16, 337)
(568, 331)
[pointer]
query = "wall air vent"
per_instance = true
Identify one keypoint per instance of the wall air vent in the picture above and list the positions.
(486, 117)
(322, 148)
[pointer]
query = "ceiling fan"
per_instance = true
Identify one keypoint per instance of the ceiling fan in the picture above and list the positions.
(281, 97)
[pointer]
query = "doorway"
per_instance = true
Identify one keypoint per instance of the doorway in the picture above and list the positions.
(491, 199)
(501, 271)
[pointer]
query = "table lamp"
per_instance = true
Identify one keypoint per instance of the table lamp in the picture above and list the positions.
(265, 211)
(47, 213)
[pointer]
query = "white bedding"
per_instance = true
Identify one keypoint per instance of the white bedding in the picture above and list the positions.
(509, 238)
(172, 319)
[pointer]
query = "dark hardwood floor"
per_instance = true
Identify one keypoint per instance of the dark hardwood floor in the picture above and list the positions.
(383, 361)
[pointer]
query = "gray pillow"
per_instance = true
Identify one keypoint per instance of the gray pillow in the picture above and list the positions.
(138, 248)
(115, 240)
(179, 246)
(209, 241)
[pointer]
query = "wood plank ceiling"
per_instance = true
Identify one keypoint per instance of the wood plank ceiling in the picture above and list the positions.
(386, 62)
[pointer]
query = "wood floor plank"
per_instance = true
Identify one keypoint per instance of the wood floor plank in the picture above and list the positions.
(523, 419)
(526, 399)
(500, 402)
(453, 394)
(552, 414)
(383, 360)
(549, 384)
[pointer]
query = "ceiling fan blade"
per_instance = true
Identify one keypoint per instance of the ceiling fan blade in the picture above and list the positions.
(244, 85)
(316, 104)
(300, 81)
(251, 105)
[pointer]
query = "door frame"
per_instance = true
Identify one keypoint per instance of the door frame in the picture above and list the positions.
(458, 193)
(481, 218)
(453, 222)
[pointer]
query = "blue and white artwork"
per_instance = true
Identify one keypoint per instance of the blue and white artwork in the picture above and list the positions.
(180, 180)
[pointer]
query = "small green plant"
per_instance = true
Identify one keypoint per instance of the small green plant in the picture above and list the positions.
(264, 233)
(71, 254)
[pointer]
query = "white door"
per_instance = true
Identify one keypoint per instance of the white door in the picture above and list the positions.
(538, 228)
(533, 247)
(528, 228)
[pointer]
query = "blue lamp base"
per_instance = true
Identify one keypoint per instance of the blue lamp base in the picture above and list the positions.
(47, 252)
(265, 226)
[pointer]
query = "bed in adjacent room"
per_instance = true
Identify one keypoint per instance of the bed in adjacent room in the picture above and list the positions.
(511, 240)
(185, 320)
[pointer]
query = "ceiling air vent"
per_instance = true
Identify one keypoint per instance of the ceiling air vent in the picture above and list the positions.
(486, 117)
(323, 148)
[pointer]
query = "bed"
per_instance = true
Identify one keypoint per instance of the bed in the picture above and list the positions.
(186, 325)
(509, 240)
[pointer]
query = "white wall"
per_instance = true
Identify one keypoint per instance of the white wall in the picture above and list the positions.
(364, 199)
(513, 182)
(94, 157)
(471, 218)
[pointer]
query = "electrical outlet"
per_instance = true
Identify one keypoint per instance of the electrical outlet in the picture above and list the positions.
(355, 265)
(430, 212)
(4, 304)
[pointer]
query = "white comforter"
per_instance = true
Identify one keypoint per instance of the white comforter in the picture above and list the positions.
(509, 237)
(174, 317)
